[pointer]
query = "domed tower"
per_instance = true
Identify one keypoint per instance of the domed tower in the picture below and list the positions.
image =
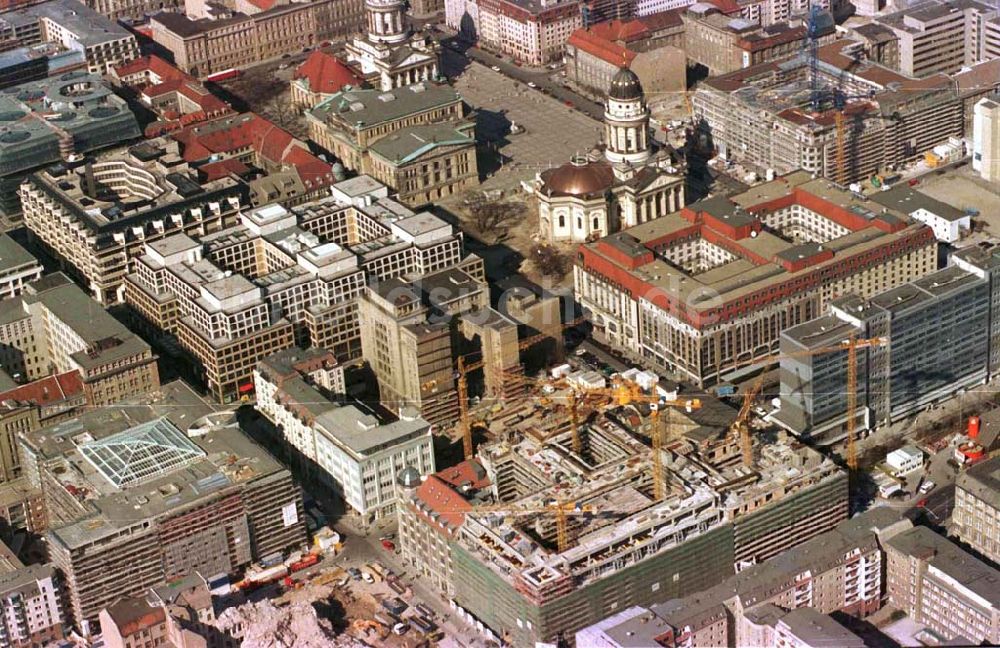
(626, 121)
(386, 21)
(407, 480)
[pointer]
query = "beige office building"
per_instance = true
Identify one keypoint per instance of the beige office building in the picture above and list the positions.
(976, 518)
(943, 587)
(226, 40)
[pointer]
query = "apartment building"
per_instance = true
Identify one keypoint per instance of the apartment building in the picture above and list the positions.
(907, 372)
(226, 40)
(340, 442)
(976, 518)
(943, 36)
(942, 587)
(76, 26)
(349, 122)
(533, 32)
(31, 605)
(17, 267)
(782, 601)
(724, 44)
(55, 327)
(430, 511)
(94, 119)
(428, 162)
(22, 507)
(284, 277)
(707, 290)
(134, 501)
(96, 216)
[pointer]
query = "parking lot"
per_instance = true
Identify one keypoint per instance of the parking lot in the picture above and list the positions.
(965, 190)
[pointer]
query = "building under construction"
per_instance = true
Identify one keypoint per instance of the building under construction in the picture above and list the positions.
(528, 573)
(766, 116)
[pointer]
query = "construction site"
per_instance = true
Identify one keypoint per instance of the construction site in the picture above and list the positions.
(601, 498)
(833, 112)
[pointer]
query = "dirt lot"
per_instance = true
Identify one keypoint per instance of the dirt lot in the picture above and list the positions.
(963, 189)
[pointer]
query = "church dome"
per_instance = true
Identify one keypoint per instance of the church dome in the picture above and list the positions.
(579, 178)
(408, 477)
(625, 86)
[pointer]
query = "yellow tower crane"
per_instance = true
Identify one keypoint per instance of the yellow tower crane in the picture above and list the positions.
(561, 510)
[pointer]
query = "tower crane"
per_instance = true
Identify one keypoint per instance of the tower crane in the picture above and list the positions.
(561, 510)
(851, 345)
(463, 369)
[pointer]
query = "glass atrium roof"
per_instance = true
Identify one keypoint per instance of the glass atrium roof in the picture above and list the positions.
(140, 453)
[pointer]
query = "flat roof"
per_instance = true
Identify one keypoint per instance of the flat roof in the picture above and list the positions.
(982, 481)
(13, 256)
(408, 144)
(88, 27)
(907, 200)
(363, 433)
(229, 459)
(941, 553)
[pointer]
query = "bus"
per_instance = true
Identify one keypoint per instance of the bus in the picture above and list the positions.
(224, 75)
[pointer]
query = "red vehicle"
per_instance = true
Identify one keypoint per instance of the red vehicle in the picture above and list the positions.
(388, 545)
(914, 182)
(922, 503)
(568, 103)
(231, 73)
(306, 562)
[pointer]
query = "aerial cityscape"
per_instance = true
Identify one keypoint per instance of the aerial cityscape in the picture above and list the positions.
(499, 323)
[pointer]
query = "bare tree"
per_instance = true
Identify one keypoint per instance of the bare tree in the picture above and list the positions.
(491, 216)
(549, 261)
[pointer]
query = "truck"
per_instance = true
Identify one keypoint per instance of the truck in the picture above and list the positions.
(725, 390)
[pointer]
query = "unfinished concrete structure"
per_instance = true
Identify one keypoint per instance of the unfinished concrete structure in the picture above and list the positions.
(761, 115)
(507, 571)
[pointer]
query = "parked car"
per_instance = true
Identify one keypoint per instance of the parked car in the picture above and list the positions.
(532, 84)
(354, 572)
(495, 68)
(927, 487)
(388, 545)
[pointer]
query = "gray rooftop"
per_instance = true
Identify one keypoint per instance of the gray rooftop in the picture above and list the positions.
(230, 459)
(408, 144)
(982, 481)
(89, 27)
(13, 256)
(824, 331)
(943, 554)
(363, 434)
(905, 199)
(813, 628)
(361, 108)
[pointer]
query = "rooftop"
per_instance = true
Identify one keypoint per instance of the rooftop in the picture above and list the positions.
(172, 469)
(903, 198)
(13, 256)
(982, 481)
(359, 108)
(88, 27)
(947, 558)
(324, 73)
(408, 144)
(758, 254)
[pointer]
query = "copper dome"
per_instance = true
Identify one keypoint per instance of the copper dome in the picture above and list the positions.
(625, 85)
(579, 178)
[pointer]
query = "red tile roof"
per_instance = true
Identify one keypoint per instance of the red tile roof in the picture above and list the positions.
(619, 31)
(326, 74)
(222, 168)
(46, 391)
(439, 498)
(151, 65)
(725, 6)
(604, 49)
(469, 472)
(267, 140)
(662, 19)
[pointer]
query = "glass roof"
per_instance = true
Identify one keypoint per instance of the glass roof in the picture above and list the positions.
(140, 453)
